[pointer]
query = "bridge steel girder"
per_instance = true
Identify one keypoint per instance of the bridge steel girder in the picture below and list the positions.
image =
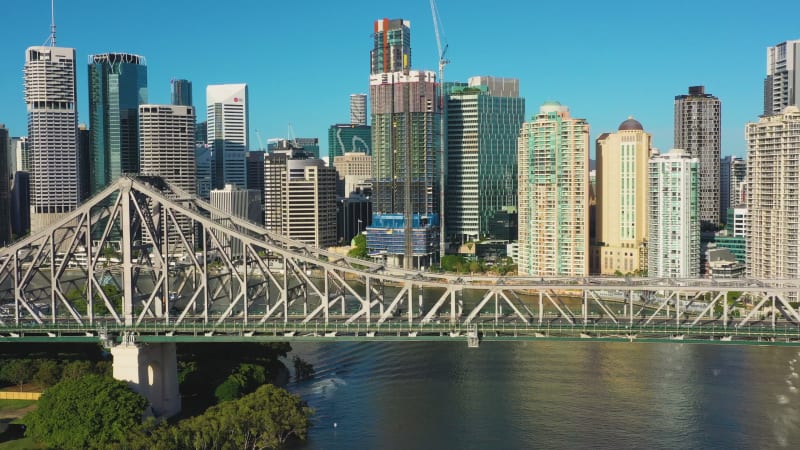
(144, 255)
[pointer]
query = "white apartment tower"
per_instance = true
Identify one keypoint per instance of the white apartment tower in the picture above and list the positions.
(782, 84)
(697, 131)
(358, 109)
(227, 108)
(51, 97)
(773, 196)
(673, 218)
(553, 156)
(166, 144)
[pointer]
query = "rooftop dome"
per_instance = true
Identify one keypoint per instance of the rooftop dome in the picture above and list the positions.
(630, 124)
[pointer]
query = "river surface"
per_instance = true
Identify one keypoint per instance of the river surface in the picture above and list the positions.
(525, 395)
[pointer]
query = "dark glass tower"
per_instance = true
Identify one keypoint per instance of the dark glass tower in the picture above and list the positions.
(5, 189)
(182, 92)
(117, 86)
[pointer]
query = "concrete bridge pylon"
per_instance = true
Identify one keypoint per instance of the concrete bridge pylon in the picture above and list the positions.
(152, 371)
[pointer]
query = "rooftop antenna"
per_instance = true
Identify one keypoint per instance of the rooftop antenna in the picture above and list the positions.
(52, 23)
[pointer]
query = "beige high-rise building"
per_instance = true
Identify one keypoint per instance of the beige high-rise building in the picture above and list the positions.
(300, 198)
(621, 214)
(773, 196)
(553, 155)
(354, 170)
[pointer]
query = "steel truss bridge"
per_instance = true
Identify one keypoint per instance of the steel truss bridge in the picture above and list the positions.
(144, 261)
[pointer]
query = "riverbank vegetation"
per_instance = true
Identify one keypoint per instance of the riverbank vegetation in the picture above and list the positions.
(230, 395)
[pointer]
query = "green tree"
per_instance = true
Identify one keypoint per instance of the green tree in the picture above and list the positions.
(302, 370)
(359, 244)
(263, 419)
(93, 411)
(48, 372)
(18, 371)
(76, 369)
(228, 390)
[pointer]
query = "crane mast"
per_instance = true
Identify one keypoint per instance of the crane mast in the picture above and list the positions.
(442, 50)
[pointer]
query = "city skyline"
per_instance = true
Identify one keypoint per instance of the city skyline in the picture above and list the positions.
(729, 63)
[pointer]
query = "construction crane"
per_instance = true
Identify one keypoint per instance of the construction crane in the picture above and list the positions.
(443, 61)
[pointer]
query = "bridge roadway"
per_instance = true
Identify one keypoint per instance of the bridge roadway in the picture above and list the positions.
(506, 328)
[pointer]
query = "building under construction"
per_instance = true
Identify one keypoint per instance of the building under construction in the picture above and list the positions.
(405, 152)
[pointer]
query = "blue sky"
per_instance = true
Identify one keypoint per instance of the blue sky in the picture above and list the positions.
(605, 60)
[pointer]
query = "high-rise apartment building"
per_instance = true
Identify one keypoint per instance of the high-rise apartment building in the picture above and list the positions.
(697, 131)
(5, 187)
(621, 192)
(732, 172)
(166, 141)
(227, 107)
(117, 86)
(782, 84)
(358, 109)
(405, 152)
(51, 98)
(349, 138)
(391, 50)
(300, 198)
(673, 222)
(483, 120)
(773, 196)
(181, 92)
(553, 158)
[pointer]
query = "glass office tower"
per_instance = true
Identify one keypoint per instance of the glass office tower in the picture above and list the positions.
(117, 86)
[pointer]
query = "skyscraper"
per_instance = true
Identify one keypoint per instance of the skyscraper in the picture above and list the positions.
(697, 131)
(51, 98)
(349, 138)
(181, 92)
(358, 109)
(5, 188)
(405, 152)
(117, 86)
(166, 140)
(300, 198)
(483, 120)
(773, 197)
(673, 222)
(228, 132)
(85, 160)
(621, 211)
(391, 47)
(553, 157)
(732, 173)
(782, 84)
(242, 203)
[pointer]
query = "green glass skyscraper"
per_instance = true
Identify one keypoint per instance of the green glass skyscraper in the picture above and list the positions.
(117, 86)
(483, 120)
(347, 138)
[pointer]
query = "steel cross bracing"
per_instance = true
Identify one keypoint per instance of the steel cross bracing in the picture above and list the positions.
(144, 257)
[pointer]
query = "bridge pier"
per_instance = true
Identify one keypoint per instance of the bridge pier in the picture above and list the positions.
(152, 371)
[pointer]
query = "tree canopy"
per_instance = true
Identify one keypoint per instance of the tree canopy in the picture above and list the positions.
(261, 420)
(93, 411)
